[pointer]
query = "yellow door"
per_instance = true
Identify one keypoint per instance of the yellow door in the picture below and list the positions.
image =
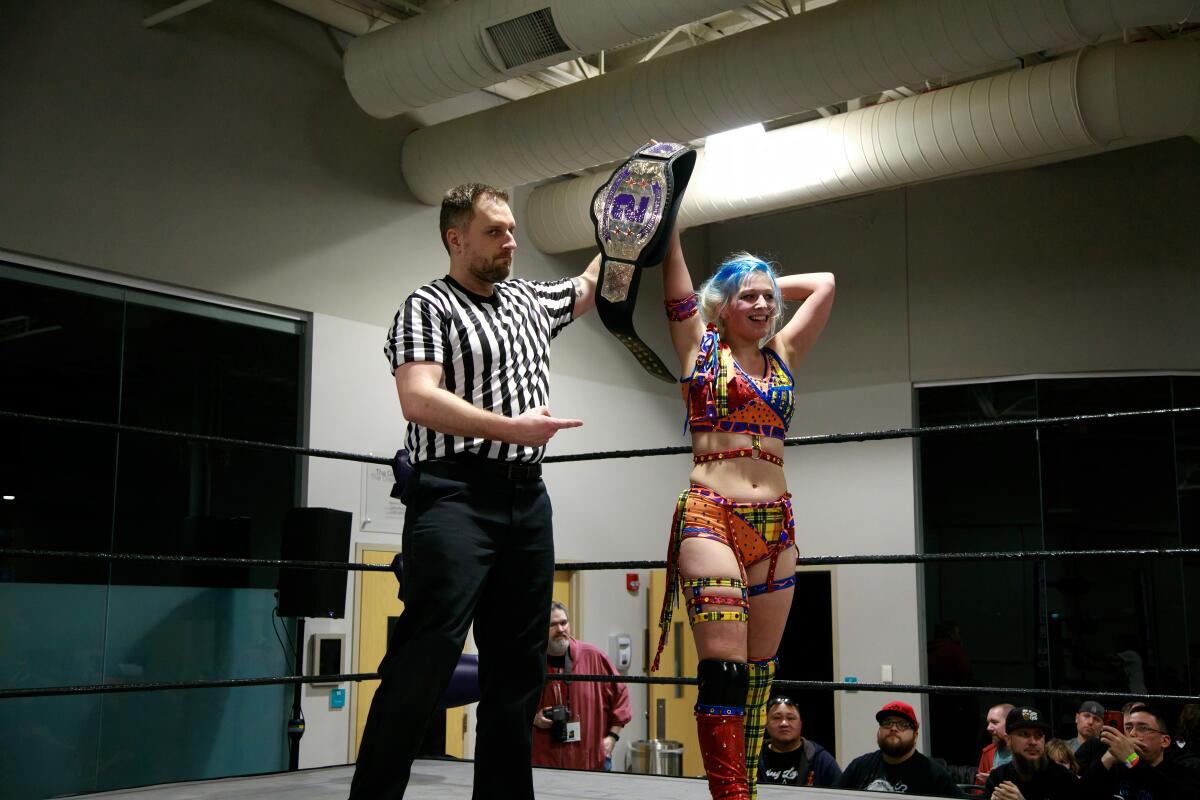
(377, 603)
(678, 660)
(562, 593)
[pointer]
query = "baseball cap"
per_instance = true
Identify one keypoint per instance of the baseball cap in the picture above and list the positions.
(897, 709)
(1025, 717)
(1091, 707)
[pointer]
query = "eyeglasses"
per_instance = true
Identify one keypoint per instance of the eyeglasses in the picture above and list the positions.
(898, 724)
(787, 701)
(1141, 727)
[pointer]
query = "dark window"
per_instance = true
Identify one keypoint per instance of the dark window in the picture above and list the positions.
(73, 349)
(1103, 624)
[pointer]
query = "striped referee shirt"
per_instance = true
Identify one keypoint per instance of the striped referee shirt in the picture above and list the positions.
(494, 352)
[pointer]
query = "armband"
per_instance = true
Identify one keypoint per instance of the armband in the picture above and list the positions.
(681, 309)
(616, 737)
(1132, 760)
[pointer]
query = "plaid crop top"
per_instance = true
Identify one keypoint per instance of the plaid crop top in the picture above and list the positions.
(720, 396)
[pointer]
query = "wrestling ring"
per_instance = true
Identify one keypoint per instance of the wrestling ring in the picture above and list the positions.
(452, 778)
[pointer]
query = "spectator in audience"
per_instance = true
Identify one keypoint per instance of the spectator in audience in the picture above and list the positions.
(1031, 775)
(1088, 721)
(897, 766)
(1141, 764)
(1090, 751)
(1060, 753)
(1187, 730)
(579, 722)
(997, 753)
(788, 758)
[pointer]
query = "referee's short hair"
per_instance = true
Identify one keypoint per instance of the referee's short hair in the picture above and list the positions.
(458, 206)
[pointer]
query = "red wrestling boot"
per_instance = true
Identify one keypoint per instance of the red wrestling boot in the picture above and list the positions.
(723, 748)
(720, 709)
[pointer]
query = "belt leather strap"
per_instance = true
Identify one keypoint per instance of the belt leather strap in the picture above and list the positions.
(634, 212)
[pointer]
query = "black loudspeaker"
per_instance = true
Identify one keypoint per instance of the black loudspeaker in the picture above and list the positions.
(314, 534)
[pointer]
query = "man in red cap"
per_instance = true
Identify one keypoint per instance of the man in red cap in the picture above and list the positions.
(897, 766)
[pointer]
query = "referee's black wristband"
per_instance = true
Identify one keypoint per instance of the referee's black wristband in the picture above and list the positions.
(616, 736)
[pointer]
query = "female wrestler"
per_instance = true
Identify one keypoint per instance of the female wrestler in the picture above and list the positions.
(732, 549)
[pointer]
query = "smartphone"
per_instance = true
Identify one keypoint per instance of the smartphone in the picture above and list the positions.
(1115, 719)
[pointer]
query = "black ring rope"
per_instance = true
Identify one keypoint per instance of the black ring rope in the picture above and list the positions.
(896, 433)
(863, 436)
(792, 441)
(920, 558)
(908, 688)
(204, 561)
(579, 566)
(198, 437)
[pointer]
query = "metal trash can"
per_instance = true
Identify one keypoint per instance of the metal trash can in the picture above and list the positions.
(655, 757)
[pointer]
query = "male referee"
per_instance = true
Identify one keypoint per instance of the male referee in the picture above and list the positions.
(470, 353)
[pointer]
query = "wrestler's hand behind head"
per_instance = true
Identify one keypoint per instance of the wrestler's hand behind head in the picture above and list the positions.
(535, 427)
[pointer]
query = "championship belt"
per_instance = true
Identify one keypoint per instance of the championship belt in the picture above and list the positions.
(634, 212)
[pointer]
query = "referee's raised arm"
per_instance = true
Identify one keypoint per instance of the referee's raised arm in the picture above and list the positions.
(585, 288)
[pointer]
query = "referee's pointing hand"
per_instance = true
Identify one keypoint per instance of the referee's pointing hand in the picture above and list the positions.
(535, 427)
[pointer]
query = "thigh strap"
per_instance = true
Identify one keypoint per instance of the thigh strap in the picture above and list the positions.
(707, 607)
(772, 586)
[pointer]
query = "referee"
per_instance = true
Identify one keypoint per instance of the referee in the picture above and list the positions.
(471, 353)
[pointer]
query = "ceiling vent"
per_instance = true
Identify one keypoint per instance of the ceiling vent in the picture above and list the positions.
(528, 38)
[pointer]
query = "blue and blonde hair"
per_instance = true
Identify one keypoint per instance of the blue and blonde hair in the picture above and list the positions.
(720, 290)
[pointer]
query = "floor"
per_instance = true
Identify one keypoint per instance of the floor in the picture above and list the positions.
(451, 780)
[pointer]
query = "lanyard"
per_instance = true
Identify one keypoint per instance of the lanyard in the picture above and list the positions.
(559, 686)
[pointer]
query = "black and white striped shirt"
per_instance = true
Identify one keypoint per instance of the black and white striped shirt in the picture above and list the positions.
(494, 352)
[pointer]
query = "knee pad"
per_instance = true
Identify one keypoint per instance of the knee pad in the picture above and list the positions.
(723, 686)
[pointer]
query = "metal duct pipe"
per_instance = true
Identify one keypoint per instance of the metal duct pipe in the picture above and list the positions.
(476, 43)
(346, 15)
(1099, 98)
(845, 50)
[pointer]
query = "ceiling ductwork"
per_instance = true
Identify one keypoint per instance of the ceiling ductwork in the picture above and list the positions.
(350, 16)
(845, 50)
(476, 43)
(1100, 98)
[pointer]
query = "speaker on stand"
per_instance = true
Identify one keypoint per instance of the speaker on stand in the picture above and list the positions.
(311, 534)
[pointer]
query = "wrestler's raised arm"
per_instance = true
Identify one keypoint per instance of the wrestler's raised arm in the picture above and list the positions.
(679, 293)
(424, 402)
(585, 288)
(797, 337)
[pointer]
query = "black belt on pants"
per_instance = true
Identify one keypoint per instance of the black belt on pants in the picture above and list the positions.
(471, 468)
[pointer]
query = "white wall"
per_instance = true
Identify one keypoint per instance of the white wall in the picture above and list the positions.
(1088, 265)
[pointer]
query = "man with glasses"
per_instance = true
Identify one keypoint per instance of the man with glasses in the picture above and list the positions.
(1030, 775)
(897, 766)
(1141, 763)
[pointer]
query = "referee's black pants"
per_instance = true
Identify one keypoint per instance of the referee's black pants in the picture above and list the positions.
(477, 547)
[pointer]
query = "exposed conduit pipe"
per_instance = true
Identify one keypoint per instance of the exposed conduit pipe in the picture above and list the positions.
(446, 53)
(1100, 98)
(846, 50)
(346, 15)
